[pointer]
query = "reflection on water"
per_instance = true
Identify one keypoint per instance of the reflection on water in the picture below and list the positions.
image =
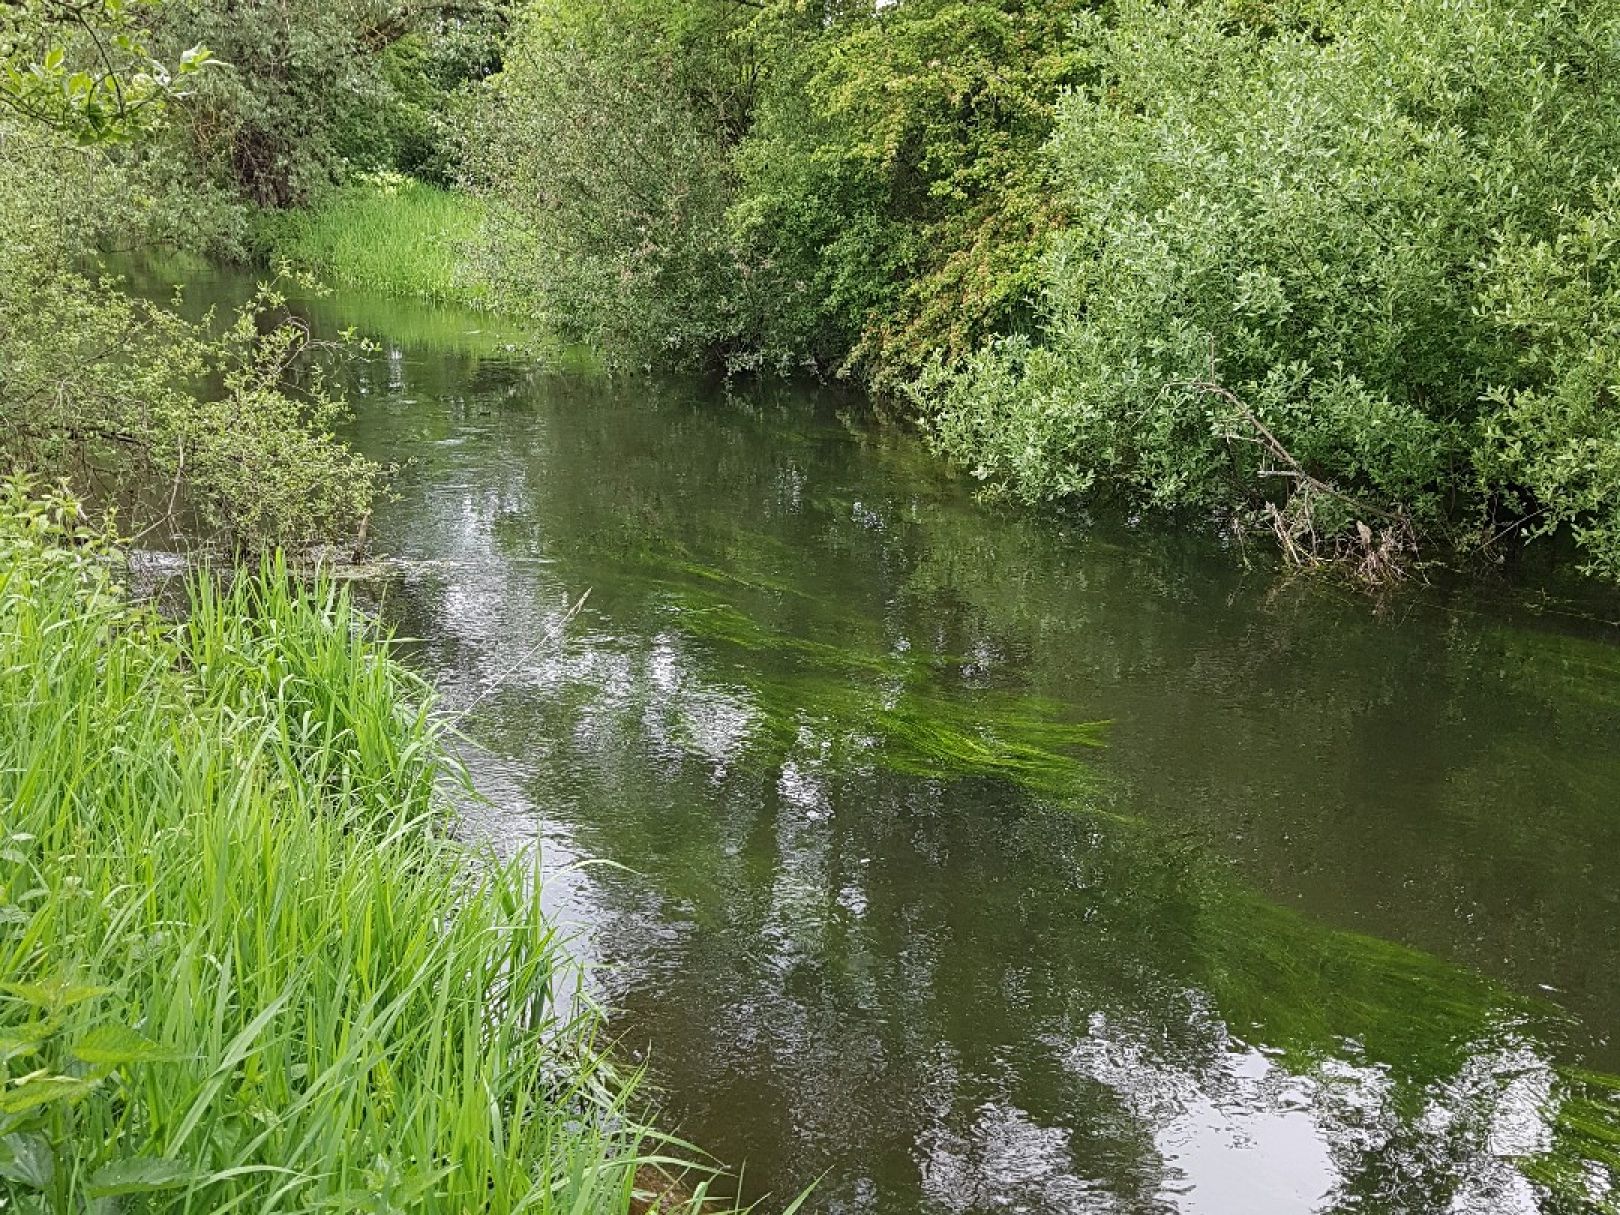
(978, 866)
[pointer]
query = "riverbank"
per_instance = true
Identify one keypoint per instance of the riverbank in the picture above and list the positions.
(244, 964)
(388, 234)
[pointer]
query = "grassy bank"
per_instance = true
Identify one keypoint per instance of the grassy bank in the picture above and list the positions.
(391, 235)
(241, 968)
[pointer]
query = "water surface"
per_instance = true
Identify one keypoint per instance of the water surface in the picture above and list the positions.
(972, 862)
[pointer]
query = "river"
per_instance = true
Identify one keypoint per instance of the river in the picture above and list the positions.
(969, 861)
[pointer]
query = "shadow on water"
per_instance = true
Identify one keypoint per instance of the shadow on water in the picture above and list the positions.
(980, 864)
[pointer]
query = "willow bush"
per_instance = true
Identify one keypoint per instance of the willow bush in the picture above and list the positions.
(1345, 272)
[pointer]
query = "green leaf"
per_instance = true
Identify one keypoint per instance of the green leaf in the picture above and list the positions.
(54, 993)
(27, 1159)
(24, 1039)
(38, 1090)
(116, 1044)
(139, 1175)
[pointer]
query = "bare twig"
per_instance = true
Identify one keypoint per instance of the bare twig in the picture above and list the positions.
(1378, 556)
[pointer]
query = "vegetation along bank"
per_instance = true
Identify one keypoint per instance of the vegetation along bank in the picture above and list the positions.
(1341, 275)
(1338, 274)
(243, 965)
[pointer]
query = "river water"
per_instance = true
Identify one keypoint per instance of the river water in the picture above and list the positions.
(973, 862)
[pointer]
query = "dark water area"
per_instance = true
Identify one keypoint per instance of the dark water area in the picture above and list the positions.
(974, 862)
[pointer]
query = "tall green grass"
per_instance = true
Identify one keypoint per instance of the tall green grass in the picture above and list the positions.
(392, 235)
(241, 967)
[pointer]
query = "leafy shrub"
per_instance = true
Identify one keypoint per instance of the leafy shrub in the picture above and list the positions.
(839, 187)
(139, 407)
(893, 204)
(607, 178)
(1344, 269)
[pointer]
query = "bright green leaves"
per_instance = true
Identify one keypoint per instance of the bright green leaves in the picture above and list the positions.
(42, 1088)
(149, 398)
(389, 1189)
(844, 187)
(85, 71)
(116, 1045)
(315, 1002)
(1319, 274)
(53, 995)
(895, 167)
(607, 177)
(49, 1066)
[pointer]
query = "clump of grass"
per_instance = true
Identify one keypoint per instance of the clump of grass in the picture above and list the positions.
(388, 234)
(241, 969)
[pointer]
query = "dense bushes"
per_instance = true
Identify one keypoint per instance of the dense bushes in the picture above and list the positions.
(1340, 271)
(1346, 270)
(176, 421)
(601, 150)
(774, 183)
(892, 201)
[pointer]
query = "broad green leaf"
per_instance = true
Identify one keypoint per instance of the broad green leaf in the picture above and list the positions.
(116, 1044)
(138, 1175)
(54, 993)
(27, 1159)
(38, 1090)
(24, 1039)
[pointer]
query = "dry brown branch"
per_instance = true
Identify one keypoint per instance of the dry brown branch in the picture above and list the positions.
(1375, 556)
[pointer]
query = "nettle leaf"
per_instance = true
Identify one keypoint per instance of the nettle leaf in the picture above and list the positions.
(27, 1159)
(139, 1175)
(24, 1039)
(111, 1045)
(44, 1089)
(54, 993)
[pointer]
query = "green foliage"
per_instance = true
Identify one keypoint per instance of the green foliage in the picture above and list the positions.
(269, 126)
(1342, 272)
(1339, 272)
(85, 69)
(601, 150)
(893, 203)
(137, 406)
(168, 418)
(389, 234)
(1550, 443)
(770, 183)
(239, 966)
(305, 96)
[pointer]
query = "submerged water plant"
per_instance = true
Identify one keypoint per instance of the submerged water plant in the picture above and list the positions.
(907, 710)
